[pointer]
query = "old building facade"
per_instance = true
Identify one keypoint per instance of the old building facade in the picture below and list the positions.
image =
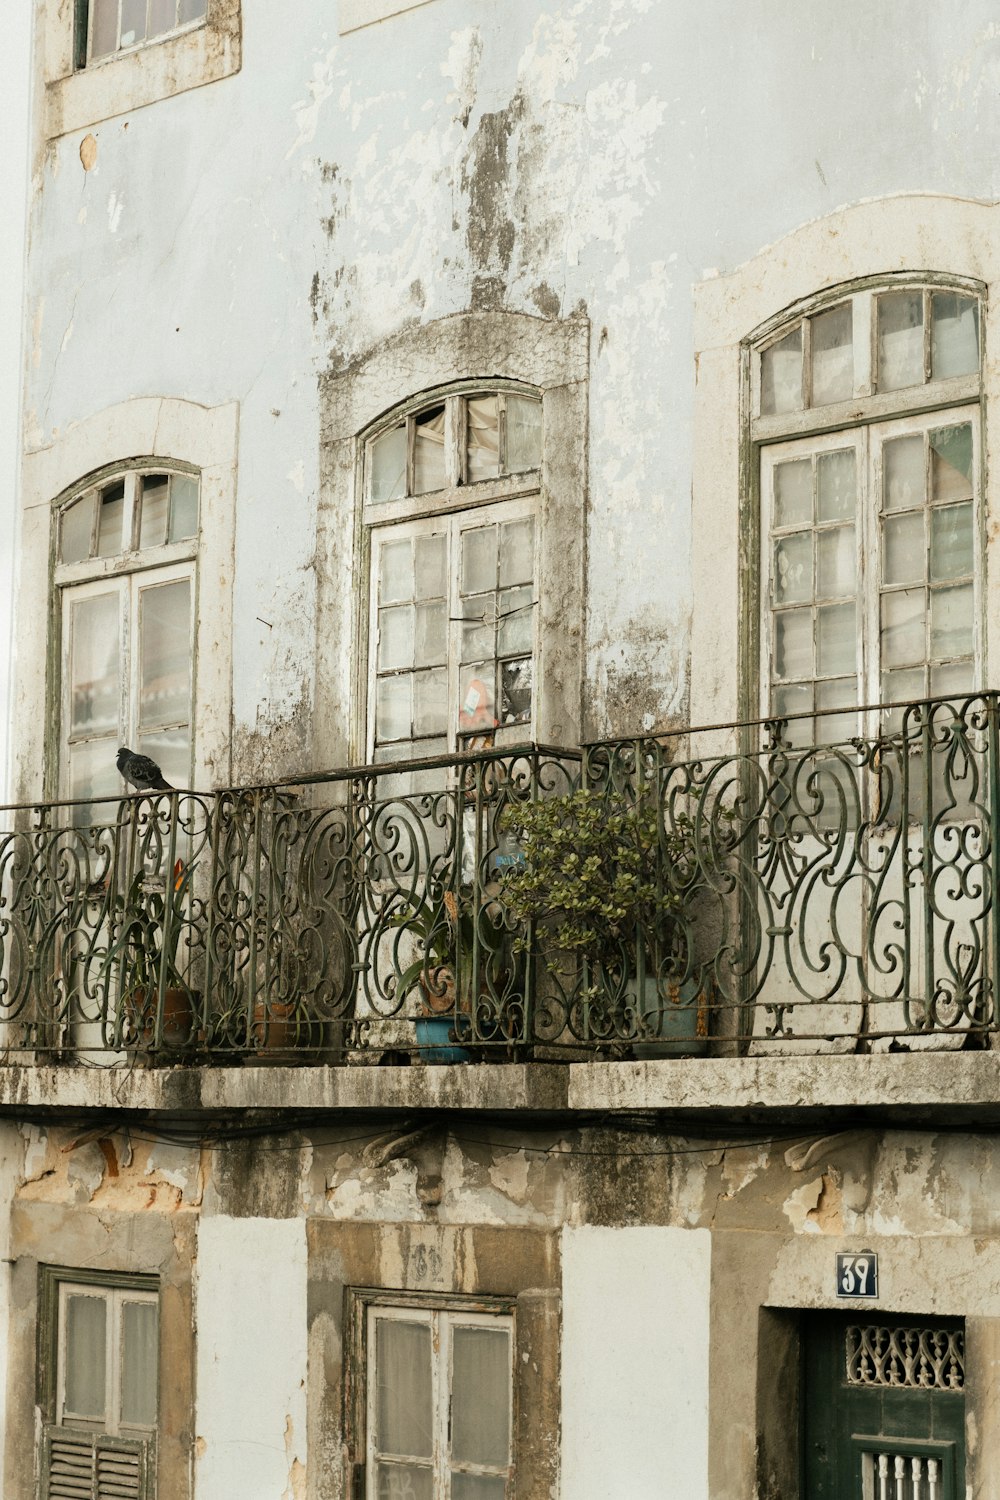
(524, 470)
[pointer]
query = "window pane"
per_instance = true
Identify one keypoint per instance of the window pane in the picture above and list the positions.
(104, 35)
(904, 482)
(431, 552)
(833, 355)
(483, 418)
(165, 654)
(388, 457)
(836, 563)
(480, 1409)
(75, 529)
(154, 511)
(835, 486)
(162, 16)
(903, 628)
(840, 693)
(171, 750)
(93, 773)
(403, 1482)
(86, 1355)
(951, 462)
(428, 452)
(951, 621)
(793, 493)
(478, 628)
(133, 22)
(478, 1487)
(954, 678)
(395, 638)
(516, 679)
(431, 644)
(793, 644)
(792, 580)
(836, 639)
(524, 434)
(951, 542)
(516, 622)
(517, 552)
(430, 703)
(904, 548)
(403, 1399)
(95, 665)
(900, 340)
(781, 375)
(791, 700)
(476, 698)
(954, 335)
(139, 1356)
(190, 10)
(479, 560)
(393, 713)
(396, 572)
(109, 525)
(183, 507)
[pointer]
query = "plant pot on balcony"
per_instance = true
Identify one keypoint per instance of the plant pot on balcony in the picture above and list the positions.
(178, 1029)
(674, 1024)
(276, 1027)
(444, 1021)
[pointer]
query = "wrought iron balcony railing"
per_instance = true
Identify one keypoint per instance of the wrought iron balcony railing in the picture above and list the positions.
(638, 898)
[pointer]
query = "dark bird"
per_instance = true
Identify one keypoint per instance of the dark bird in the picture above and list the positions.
(144, 774)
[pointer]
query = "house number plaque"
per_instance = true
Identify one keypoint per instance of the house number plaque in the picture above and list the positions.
(857, 1274)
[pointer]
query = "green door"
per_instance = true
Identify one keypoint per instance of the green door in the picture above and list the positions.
(884, 1408)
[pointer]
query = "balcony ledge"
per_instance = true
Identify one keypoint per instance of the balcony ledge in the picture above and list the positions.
(938, 1088)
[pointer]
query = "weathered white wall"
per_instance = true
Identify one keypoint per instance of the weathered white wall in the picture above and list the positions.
(635, 1363)
(12, 1154)
(250, 1317)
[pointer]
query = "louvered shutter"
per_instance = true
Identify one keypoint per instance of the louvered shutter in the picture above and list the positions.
(91, 1466)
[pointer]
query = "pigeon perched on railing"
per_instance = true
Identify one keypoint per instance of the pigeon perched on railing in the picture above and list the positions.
(144, 774)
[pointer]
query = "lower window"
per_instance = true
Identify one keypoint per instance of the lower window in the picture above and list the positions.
(98, 1357)
(438, 1385)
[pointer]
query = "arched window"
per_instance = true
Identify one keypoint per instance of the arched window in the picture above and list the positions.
(451, 497)
(125, 576)
(866, 417)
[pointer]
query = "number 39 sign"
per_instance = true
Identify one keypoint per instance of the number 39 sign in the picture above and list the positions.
(857, 1275)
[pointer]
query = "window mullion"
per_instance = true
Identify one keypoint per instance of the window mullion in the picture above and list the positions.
(441, 1376)
(113, 1356)
(130, 512)
(454, 626)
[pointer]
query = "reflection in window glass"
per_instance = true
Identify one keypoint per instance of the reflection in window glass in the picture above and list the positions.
(429, 470)
(524, 434)
(900, 340)
(111, 514)
(833, 355)
(388, 464)
(954, 335)
(183, 507)
(154, 509)
(483, 446)
(781, 375)
(76, 530)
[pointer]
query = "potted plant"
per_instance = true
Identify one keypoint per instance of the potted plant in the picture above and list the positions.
(151, 917)
(607, 883)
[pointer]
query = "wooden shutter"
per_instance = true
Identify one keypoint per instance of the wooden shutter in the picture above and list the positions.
(91, 1466)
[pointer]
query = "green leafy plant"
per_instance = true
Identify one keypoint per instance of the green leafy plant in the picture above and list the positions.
(150, 918)
(445, 931)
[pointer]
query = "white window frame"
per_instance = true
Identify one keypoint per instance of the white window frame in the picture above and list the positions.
(161, 36)
(114, 1296)
(441, 1320)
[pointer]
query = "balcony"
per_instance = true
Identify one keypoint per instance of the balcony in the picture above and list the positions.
(776, 900)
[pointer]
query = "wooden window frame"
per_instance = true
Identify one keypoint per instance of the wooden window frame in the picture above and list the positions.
(84, 28)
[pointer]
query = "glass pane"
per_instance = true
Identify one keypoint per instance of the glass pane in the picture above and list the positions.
(517, 552)
(781, 375)
(165, 654)
(840, 693)
(154, 507)
(480, 1403)
(904, 548)
(190, 10)
(900, 340)
(955, 678)
(110, 518)
(483, 418)
(792, 580)
(133, 22)
(954, 335)
(904, 482)
(162, 16)
(75, 530)
(951, 462)
(183, 507)
(86, 1355)
(476, 698)
(836, 563)
(836, 639)
(395, 638)
(792, 700)
(524, 434)
(403, 1482)
(171, 750)
(833, 355)
(479, 559)
(478, 1487)
(428, 452)
(104, 35)
(95, 665)
(388, 457)
(403, 1398)
(901, 688)
(430, 567)
(93, 773)
(393, 713)
(793, 644)
(793, 493)
(516, 622)
(951, 542)
(139, 1357)
(431, 644)
(430, 702)
(951, 621)
(903, 628)
(835, 486)
(396, 578)
(516, 679)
